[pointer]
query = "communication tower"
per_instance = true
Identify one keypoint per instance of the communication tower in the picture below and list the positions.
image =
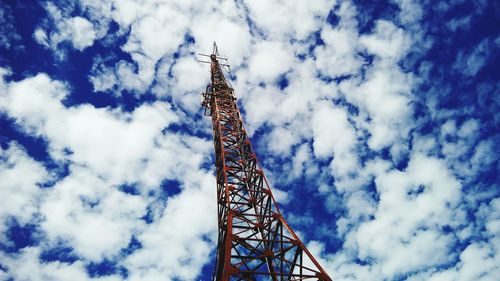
(254, 240)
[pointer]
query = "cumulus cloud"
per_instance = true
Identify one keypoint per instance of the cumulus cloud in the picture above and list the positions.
(382, 167)
(265, 52)
(386, 41)
(99, 150)
(21, 179)
(157, 31)
(478, 257)
(178, 232)
(87, 209)
(302, 17)
(27, 266)
(338, 56)
(95, 220)
(470, 63)
(9, 38)
(334, 136)
(78, 31)
(426, 182)
(384, 97)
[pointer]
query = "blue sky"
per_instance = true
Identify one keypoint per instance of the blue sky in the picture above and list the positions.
(377, 123)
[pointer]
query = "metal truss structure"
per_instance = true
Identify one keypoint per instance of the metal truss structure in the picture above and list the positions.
(254, 240)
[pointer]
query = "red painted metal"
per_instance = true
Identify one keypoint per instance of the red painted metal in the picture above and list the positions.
(254, 240)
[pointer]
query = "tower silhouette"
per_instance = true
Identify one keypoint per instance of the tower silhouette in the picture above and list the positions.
(254, 240)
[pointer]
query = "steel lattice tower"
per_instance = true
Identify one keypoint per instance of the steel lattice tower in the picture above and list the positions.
(254, 240)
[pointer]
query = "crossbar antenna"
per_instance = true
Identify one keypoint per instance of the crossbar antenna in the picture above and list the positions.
(215, 53)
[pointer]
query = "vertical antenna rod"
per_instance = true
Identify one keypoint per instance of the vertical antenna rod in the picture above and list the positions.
(254, 240)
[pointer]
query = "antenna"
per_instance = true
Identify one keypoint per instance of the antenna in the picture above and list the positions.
(215, 54)
(215, 51)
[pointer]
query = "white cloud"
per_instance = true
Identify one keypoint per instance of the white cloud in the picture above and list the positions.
(79, 31)
(227, 28)
(106, 148)
(291, 107)
(189, 78)
(96, 220)
(261, 106)
(289, 19)
(413, 205)
(281, 141)
(82, 31)
(464, 153)
(19, 188)
(334, 136)
(126, 12)
(300, 159)
(26, 266)
(347, 124)
(387, 41)
(186, 217)
(479, 260)
(470, 63)
(269, 60)
(339, 54)
(384, 97)
(40, 36)
(102, 78)
(36, 103)
(411, 11)
(459, 23)
(157, 30)
(9, 38)
(23, 100)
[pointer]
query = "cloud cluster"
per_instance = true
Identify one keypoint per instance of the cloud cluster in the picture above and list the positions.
(380, 165)
(88, 210)
(77, 31)
(9, 38)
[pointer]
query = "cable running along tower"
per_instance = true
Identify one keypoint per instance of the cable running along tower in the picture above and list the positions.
(254, 240)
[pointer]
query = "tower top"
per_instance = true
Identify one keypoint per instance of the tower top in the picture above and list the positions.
(214, 57)
(215, 51)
